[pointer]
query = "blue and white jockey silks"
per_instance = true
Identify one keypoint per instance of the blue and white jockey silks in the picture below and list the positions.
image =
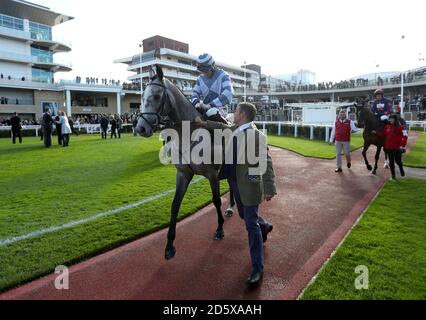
(215, 91)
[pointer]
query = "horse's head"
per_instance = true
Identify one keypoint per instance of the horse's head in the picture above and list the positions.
(154, 104)
(361, 110)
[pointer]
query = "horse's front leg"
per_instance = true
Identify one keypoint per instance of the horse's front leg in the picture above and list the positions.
(215, 186)
(364, 154)
(230, 210)
(182, 181)
(377, 157)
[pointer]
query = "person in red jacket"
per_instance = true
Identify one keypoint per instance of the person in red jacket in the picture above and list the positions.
(396, 140)
(341, 133)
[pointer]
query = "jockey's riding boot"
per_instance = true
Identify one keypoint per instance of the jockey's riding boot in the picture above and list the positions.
(218, 118)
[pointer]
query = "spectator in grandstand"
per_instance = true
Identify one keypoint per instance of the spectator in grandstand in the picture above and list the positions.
(16, 128)
(213, 89)
(341, 133)
(396, 141)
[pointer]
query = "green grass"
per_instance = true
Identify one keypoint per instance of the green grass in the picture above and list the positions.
(417, 155)
(312, 148)
(390, 241)
(40, 188)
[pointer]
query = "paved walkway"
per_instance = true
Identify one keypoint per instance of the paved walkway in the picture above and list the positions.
(313, 212)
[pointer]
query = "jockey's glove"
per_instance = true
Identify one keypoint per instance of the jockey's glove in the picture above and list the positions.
(200, 106)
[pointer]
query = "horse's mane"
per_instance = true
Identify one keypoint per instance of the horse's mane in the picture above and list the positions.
(185, 108)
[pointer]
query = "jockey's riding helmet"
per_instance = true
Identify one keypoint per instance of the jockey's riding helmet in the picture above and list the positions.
(205, 63)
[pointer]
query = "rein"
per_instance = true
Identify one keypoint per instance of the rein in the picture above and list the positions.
(160, 115)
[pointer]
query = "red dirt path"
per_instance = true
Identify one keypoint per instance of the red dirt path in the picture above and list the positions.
(313, 212)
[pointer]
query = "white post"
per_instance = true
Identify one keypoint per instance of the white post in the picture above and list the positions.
(140, 63)
(279, 128)
(312, 133)
(245, 79)
(68, 103)
(327, 134)
(295, 130)
(118, 103)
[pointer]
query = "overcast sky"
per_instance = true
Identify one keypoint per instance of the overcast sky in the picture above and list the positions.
(335, 39)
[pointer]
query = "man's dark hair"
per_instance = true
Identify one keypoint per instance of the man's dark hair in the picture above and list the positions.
(249, 110)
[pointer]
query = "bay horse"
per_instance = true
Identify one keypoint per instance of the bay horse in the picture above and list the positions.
(367, 120)
(163, 101)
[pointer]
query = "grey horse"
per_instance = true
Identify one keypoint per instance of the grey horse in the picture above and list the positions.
(162, 101)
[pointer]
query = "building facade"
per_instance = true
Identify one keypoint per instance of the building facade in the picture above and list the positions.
(28, 66)
(180, 67)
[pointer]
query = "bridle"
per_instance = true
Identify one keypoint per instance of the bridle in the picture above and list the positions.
(161, 113)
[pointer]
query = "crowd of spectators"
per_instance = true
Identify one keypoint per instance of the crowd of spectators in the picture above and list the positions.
(127, 118)
(132, 86)
(26, 122)
(353, 83)
(2, 76)
(103, 81)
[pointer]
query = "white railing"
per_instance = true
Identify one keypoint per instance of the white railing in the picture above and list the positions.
(326, 126)
(89, 128)
(14, 33)
(16, 56)
(417, 124)
(9, 128)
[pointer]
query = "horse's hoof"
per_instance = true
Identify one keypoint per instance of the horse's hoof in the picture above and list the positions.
(369, 168)
(219, 235)
(374, 172)
(170, 253)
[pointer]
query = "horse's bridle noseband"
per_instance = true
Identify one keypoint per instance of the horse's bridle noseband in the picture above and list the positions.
(160, 114)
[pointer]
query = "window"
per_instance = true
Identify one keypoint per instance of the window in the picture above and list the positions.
(42, 75)
(11, 22)
(43, 55)
(40, 31)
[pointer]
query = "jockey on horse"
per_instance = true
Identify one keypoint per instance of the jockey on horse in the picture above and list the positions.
(212, 91)
(381, 108)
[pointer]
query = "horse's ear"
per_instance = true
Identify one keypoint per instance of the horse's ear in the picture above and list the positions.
(159, 71)
(152, 73)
